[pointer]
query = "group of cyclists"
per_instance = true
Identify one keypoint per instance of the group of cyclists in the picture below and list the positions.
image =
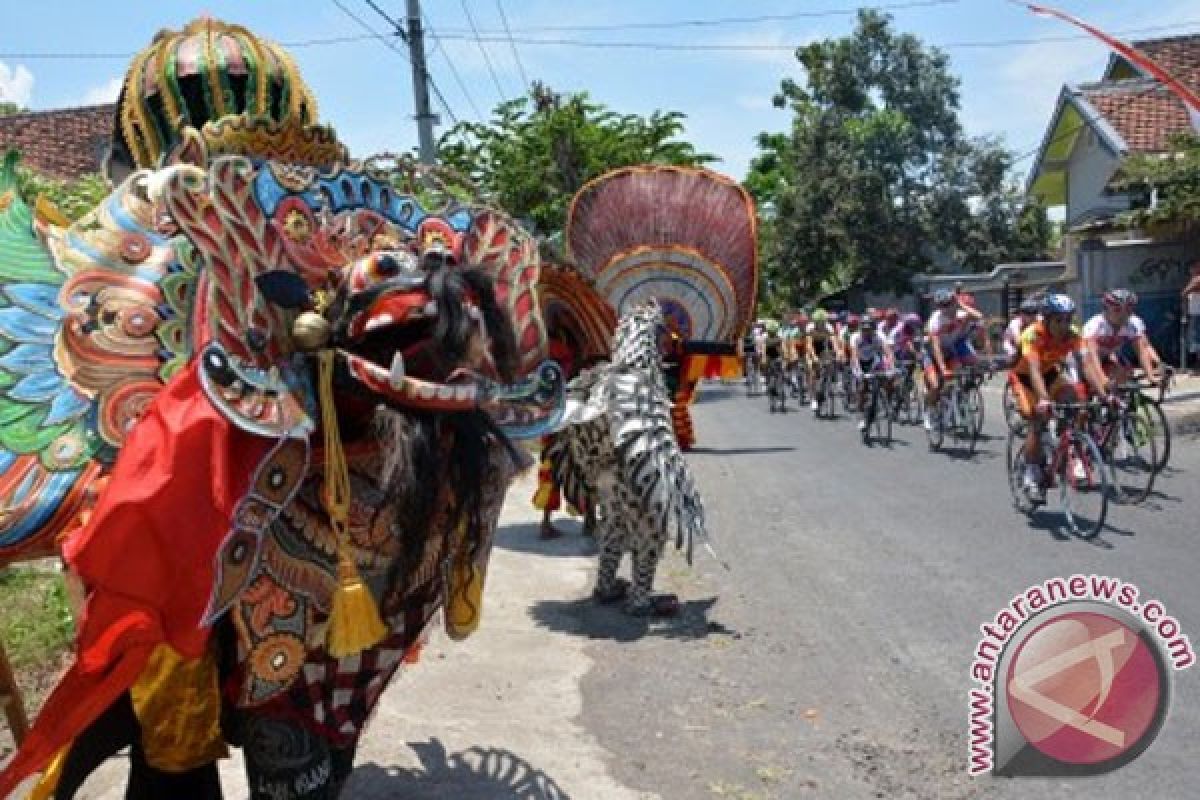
(1049, 359)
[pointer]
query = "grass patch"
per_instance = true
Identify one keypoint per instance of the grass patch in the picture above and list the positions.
(36, 626)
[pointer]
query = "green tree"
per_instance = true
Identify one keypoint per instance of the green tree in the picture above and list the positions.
(73, 198)
(538, 150)
(1174, 185)
(7, 109)
(875, 180)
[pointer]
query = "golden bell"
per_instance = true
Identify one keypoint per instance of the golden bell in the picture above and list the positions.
(311, 331)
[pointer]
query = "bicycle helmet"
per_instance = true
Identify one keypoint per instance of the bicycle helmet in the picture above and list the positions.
(943, 298)
(1120, 300)
(912, 322)
(1059, 304)
(890, 316)
(820, 316)
(772, 327)
(1031, 306)
(853, 321)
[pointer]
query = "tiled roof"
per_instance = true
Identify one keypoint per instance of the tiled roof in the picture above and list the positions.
(64, 143)
(1178, 55)
(1143, 112)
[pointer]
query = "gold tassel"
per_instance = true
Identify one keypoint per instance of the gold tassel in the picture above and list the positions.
(48, 784)
(354, 621)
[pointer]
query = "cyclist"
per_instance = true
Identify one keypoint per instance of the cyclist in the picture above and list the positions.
(746, 353)
(1117, 336)
(772, 350)
(820, 347)
(869, 352)
(948, 346)
(1051, 351)
(793, 345)
(1026, 315)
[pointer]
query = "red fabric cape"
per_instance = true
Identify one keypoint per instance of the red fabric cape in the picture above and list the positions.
(146, 557)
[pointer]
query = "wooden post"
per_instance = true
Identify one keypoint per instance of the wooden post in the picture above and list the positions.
(10, 700)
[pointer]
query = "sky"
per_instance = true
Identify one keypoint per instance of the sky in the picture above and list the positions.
(364, 87)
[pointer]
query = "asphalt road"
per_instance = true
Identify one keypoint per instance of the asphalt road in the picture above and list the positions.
(833, 658)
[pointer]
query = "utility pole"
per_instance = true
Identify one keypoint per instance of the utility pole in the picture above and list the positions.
(425, 117)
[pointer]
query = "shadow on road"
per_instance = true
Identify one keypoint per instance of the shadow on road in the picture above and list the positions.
(478, 773)
(585, 617)
(742, 451)
(526, 538)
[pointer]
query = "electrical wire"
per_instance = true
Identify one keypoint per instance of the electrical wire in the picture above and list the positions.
(399, 32)
(508, 32)
(483, 50)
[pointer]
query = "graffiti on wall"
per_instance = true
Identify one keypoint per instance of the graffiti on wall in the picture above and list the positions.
(1156, 271)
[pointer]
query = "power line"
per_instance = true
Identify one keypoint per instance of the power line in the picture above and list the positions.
(508, 32)
(453, 69)
(482, 49)
(735, 47)
(717, 21)
(500, 37)
(399, 31)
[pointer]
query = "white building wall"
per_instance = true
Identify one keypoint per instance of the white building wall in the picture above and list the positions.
(1091, 166)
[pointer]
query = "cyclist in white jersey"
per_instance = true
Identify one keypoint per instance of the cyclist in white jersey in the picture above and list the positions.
(1117, 340)
(869, 352)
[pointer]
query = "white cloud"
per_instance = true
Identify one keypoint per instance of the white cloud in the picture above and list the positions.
(16, 85)
(104, 93)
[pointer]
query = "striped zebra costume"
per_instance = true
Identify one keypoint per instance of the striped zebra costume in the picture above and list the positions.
(618, 450)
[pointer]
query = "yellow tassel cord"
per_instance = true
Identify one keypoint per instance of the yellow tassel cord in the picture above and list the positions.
(48, 783)
(354, 622)
(464, 592)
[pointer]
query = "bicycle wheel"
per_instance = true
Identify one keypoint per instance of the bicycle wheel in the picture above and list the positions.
(1012, 417)
(1083, 486)
(1159, 429)
(1130, 454)
(870, 415)
(913, 405)
(936, 433)
(883, 422)
(825, 407)
(850, 398)
(1015, 458)
(973, 407)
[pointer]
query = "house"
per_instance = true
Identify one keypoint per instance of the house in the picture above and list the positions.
(64, 143)
(1094, 128)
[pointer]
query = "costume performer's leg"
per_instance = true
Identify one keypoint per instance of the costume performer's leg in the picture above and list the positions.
(114, 730)
(286, 760)
(645, 563)
(608, 587)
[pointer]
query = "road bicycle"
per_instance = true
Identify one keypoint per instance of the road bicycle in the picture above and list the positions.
(1128, 446)
(850, 388)
(796, 383)
(776, 386)
(823, 390)
(959, 411)
(1149, 410)
(877, 412)
(908, 399)
(753, 376)
(1072, 462)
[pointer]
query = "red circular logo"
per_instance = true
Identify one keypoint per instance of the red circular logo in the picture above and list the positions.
(1084, 688)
